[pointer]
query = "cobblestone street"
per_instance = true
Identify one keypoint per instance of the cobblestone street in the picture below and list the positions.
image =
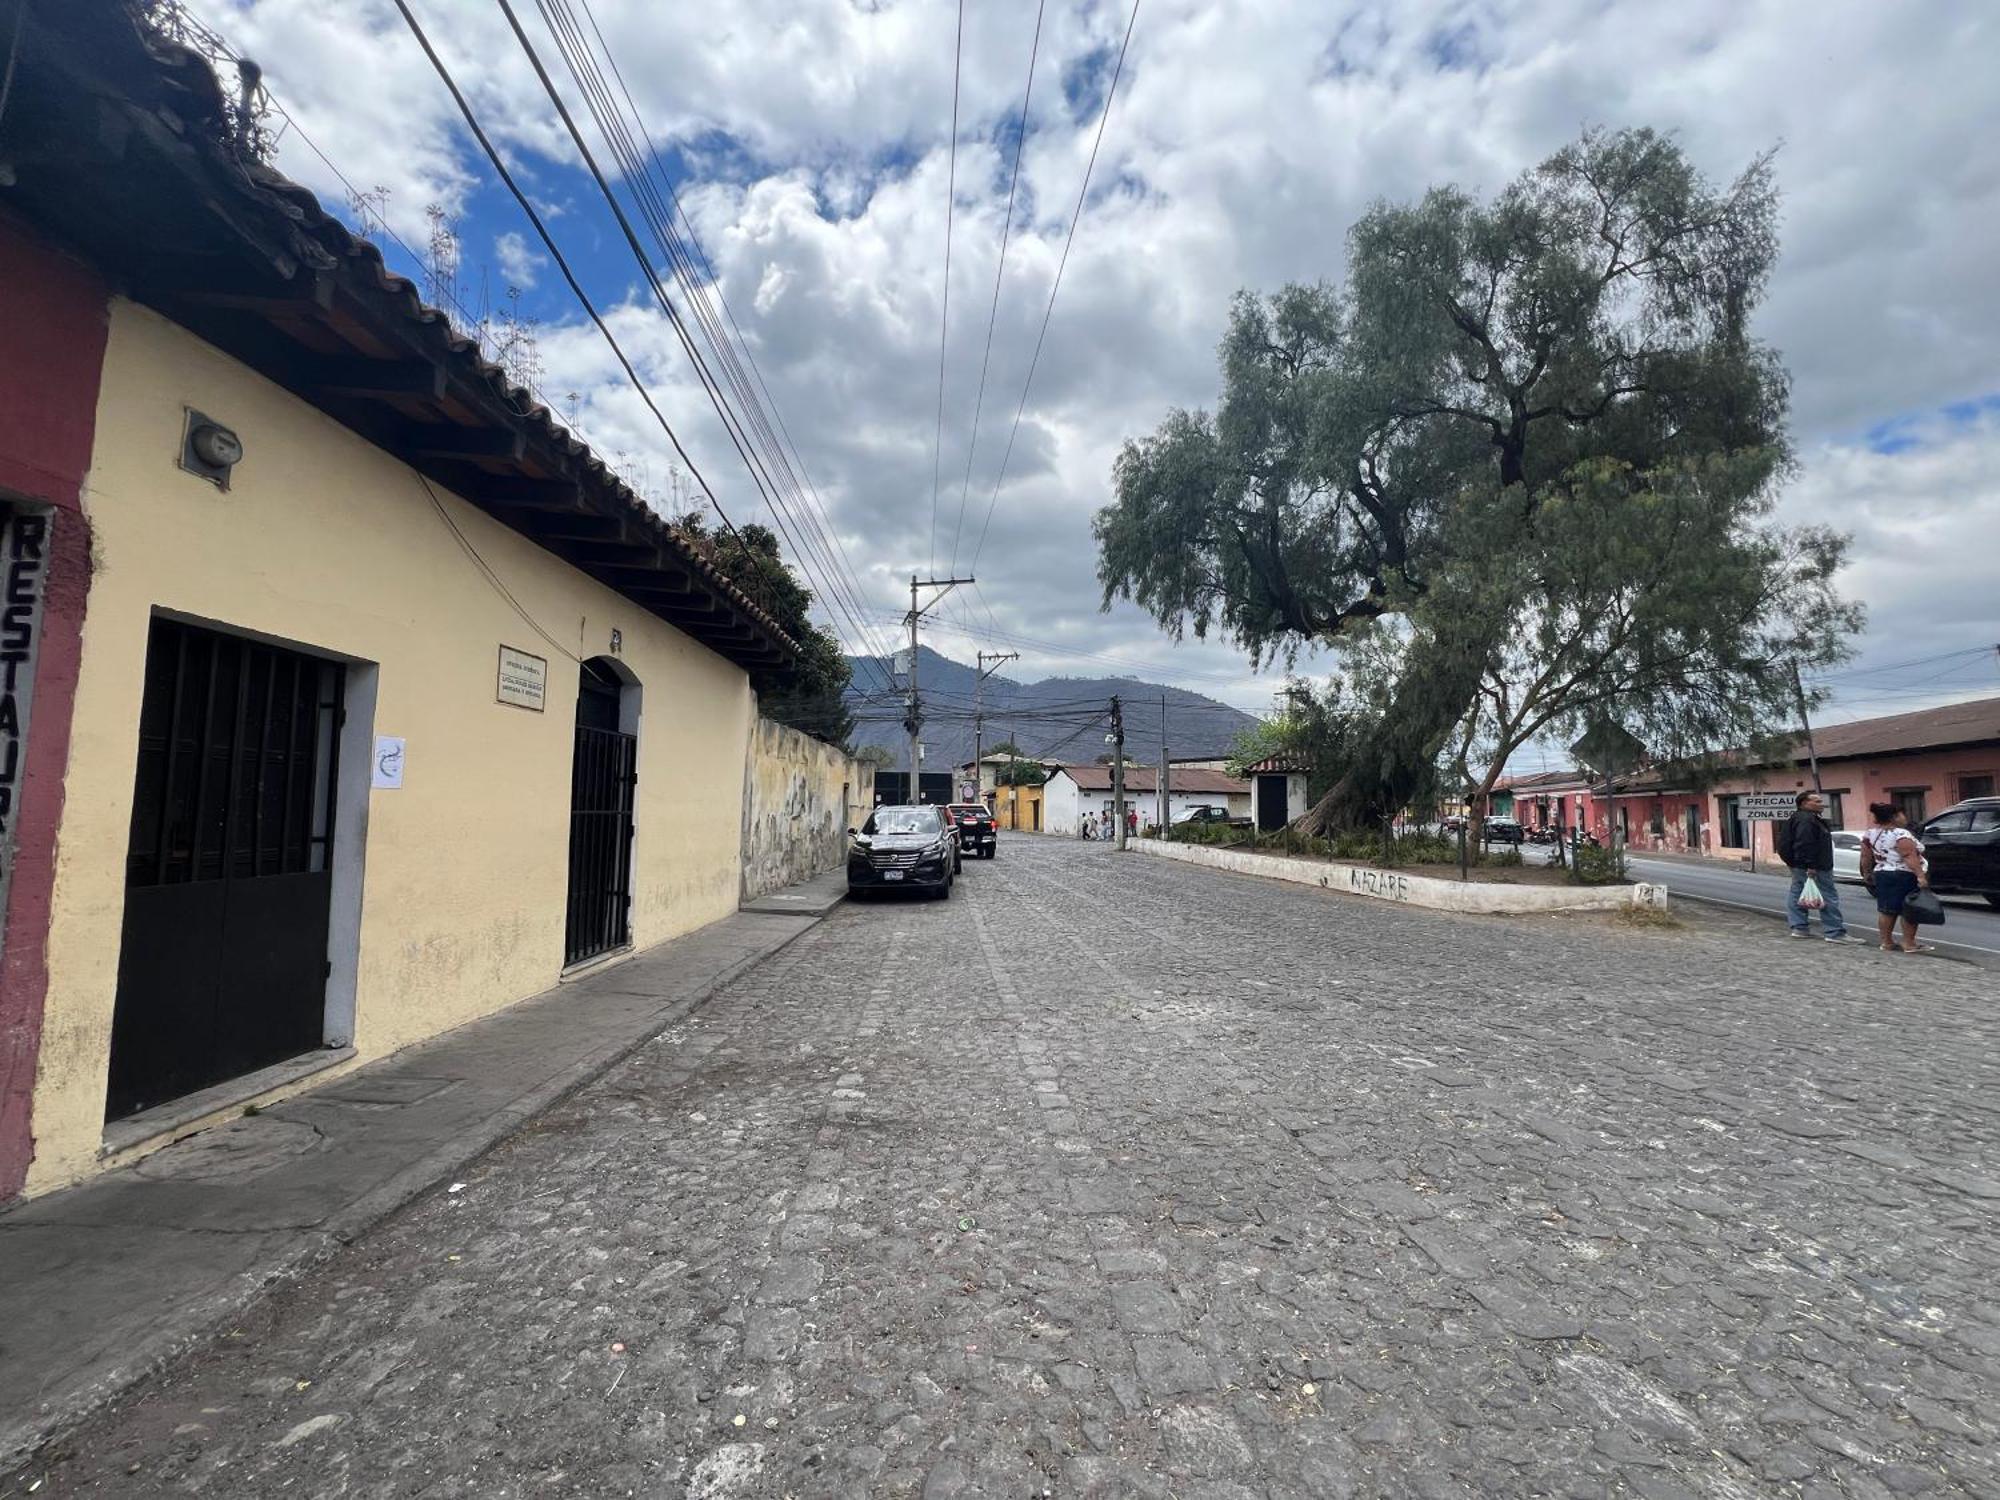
(1113, 1177)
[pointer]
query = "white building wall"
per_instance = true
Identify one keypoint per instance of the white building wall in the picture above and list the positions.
(1060, 810)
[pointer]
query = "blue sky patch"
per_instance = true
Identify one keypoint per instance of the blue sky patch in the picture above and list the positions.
(1923, 429)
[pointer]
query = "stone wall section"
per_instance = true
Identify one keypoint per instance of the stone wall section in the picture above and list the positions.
(800, 796)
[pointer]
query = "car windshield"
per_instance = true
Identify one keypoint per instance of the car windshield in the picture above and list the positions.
(969, 809)
(902, 820)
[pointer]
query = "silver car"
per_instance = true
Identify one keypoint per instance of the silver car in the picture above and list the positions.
(1847, 856)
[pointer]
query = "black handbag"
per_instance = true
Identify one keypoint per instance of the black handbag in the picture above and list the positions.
(1923, 907)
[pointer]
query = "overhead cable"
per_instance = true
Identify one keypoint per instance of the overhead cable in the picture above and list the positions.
(999, 269)
(1090, 166)
(944, 317)
(555, 254)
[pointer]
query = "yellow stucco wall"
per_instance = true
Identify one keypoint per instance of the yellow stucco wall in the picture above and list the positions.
(326, 541)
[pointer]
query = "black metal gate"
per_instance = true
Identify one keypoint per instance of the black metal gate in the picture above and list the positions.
(222, 960)
(1272, 810)
(603, 773)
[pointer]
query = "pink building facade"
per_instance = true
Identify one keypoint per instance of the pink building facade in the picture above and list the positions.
(1924, 762)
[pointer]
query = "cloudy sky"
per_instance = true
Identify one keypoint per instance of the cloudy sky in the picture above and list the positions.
(810, 143)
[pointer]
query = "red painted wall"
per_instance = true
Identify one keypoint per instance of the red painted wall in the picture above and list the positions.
(53, 322)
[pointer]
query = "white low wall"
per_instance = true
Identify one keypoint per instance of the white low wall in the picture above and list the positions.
(1409, 890)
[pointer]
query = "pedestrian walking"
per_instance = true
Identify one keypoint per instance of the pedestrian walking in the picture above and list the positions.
(1806, 844)
(1132, 822)
(1892, 866)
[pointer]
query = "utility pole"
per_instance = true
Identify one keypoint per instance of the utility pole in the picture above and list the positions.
(1166, 803)
(913, 715)
(978, 716)
(1118, 768)
(1812, 753)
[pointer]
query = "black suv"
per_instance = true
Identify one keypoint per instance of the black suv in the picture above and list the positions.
(977, 833)
(1962, 847)
(902, 848)
(1208, 812)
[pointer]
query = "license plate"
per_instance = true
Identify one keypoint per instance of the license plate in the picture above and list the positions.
(892, 874)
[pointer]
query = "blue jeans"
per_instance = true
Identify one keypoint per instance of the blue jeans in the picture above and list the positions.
(1829, 915)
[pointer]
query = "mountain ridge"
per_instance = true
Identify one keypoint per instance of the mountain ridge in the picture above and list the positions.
(1048, 717)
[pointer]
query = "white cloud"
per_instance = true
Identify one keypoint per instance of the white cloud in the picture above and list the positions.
(519, 265)
(1245, 140)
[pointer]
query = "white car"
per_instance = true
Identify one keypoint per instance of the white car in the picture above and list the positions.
(1847, 857)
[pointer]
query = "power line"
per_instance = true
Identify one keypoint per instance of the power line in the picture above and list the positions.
(993, 312)
(944, 317)
(732, 423)
(1109, 94)
(839, 588)
(555, 253)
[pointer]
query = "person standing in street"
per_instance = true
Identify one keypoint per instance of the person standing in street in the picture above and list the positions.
(1806, 844)
(1892, 866)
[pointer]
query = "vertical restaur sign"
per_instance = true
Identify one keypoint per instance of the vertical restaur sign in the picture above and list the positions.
(23, 573)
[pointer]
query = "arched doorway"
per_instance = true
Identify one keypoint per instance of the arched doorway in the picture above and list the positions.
(603, 774)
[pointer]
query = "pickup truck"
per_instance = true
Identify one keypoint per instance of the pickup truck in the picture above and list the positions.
(1208, 812)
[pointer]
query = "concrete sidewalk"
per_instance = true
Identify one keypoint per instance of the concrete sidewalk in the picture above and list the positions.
(102, 1283)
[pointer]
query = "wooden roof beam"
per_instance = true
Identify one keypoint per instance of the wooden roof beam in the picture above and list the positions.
(377, 377)
(446, 441)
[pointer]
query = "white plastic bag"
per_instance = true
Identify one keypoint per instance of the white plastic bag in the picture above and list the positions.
(1811, 898)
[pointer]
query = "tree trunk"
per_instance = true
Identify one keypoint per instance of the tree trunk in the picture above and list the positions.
(1398, 756)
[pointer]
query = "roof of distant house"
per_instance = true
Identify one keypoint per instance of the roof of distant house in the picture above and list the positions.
(1921, 729)
(1971, 723)
(1145, 779)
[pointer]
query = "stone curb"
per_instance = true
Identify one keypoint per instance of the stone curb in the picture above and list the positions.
(1409, 890)
(203, 1321)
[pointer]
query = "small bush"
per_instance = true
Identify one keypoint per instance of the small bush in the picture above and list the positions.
(1359, 846)
(1505, 859)
(1427, 849)
(1595, 866)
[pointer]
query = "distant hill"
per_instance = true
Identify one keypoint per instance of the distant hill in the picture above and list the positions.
(1196, 725)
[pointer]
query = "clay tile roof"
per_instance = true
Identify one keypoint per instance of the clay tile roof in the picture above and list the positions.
(1146, 779)
(1920, 729)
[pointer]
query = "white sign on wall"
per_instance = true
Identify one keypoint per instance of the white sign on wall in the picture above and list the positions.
(1767, 807)
(388, 769)
(523, 679)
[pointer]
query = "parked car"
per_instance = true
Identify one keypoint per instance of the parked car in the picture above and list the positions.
(1208, 812)
(903, 847)
(978, 835)
(1504, 831)
(1846, 855)
(1962, 847)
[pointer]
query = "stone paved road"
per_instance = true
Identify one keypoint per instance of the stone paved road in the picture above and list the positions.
(1112, 1177)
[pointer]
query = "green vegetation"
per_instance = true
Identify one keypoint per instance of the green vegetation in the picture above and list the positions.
(810, 694)
(1517, 471)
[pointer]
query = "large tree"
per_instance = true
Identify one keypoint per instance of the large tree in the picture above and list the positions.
(1669, 608)
(1378, 443)
(810, 694)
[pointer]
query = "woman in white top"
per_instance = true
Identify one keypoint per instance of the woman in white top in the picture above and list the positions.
(1892, 866)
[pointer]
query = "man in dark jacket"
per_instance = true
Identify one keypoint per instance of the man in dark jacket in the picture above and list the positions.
(1806, 844)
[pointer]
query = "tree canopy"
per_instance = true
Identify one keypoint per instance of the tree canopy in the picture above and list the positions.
(1420, 465)
(809, 695)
